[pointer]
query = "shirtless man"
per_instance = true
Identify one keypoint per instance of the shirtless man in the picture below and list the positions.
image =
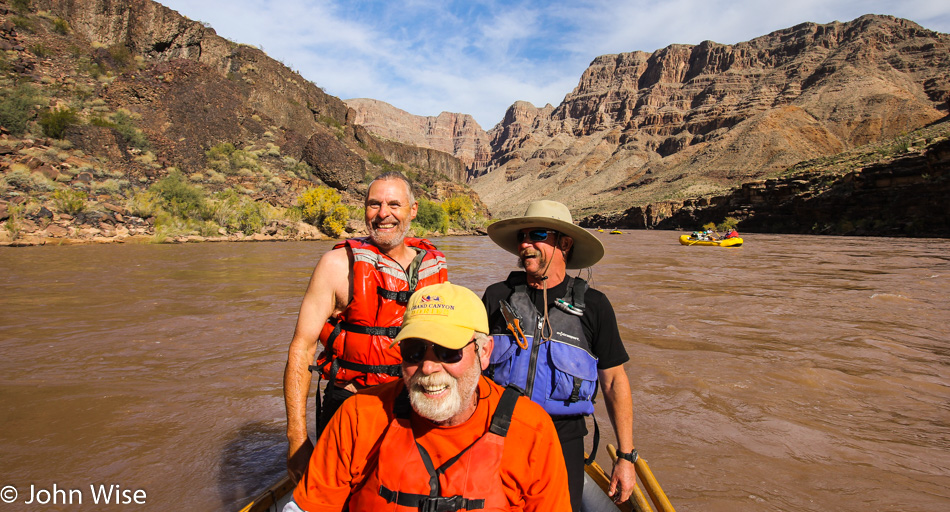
(357, 293)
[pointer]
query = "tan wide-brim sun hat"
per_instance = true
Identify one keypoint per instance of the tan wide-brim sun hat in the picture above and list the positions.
(588, 250)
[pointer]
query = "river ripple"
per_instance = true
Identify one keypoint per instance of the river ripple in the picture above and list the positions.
(795, 373)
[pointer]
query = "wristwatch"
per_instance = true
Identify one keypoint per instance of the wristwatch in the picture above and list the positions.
(632, 456)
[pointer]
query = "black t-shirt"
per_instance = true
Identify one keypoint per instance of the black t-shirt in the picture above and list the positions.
(599, 320)
(600, 327)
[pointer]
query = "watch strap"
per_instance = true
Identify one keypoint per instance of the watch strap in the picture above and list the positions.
(632, 456)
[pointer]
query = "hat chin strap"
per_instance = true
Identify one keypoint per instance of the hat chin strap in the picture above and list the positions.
(544, 287)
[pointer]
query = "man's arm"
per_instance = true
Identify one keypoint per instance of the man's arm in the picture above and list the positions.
(327, 293)
(538, 473)
(616, 388)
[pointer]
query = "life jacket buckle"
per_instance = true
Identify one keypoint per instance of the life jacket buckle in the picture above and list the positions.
(443, 504)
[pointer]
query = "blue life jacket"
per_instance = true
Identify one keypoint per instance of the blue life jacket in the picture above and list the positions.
(560, 374)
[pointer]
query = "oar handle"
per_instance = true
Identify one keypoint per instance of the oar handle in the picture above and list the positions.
(640, 501)
(653, 487)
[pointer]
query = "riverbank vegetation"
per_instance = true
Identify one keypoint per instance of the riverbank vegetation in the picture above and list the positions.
(99, 144)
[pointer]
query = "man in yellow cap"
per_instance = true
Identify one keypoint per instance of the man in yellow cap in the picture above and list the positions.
(442, 438)
(568, 341)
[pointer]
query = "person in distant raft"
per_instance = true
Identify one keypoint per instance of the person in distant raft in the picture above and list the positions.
(443, 438)
(354, 305)
(568, 339)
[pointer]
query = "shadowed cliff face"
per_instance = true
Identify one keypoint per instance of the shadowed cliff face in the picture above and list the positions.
(691, 121)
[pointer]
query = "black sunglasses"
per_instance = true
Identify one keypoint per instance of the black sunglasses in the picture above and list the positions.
(414, 351)
(535, 235)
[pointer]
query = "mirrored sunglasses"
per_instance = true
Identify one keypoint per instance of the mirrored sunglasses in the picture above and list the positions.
(535, 235)
(414, 351)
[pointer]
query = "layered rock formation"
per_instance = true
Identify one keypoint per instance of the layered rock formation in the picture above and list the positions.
(455, 134)
(694, 120)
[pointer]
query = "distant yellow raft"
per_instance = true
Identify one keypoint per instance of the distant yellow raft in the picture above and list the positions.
(728, 242)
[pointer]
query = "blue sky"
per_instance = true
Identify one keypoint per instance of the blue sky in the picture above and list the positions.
(479, 56)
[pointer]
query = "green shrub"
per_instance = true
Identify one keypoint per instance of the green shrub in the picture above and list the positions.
(727, 224)
(20, 177)
(15, 212)
(377, 159)
(93, 69)
(41, 51)
(227, 159)
(16, 107)
(121, 55)
(70, 201)
(108, 187)
(60, 26)
(55, 122)
(21, 6)
(239, 213)
(432, 216)
(299, 169)
(23, 23)
(321, 207)
(124, 123)
(144, 203)
(179, 198)
(250, 217)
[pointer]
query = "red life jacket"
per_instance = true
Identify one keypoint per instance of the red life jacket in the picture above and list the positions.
(357, 344)
(405, 478)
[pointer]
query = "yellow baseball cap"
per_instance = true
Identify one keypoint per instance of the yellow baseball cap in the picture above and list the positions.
(444, 314)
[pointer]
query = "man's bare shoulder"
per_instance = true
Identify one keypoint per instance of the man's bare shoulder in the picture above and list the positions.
(333, 266)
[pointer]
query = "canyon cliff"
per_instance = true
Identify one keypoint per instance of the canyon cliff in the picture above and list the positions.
(455, 134)
(691, 121)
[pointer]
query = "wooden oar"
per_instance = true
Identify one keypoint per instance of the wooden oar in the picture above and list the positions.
(660, 501)
(270, 496)
(639, 502)
(597, 474)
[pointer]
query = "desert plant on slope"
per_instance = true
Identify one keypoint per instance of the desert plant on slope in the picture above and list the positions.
(55, 122)
(227, 159)
(321, 207)
(123, 122)
(179, 198)
(16, 107)
(432, 216)
(70, 201)
(461, 211)
(237, 212)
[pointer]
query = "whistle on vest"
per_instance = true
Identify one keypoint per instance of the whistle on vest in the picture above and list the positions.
(514, 324)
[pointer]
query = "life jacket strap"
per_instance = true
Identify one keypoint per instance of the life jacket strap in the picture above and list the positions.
(371, 330)
(426, 503)
(394, 370)
(501, 420)
(402, 296)
(432, 502)
(576, 392)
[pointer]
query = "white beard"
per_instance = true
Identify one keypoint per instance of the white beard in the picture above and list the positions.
(461, 393)
(389, 240)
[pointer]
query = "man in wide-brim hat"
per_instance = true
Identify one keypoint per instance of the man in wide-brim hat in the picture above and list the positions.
(557, 338)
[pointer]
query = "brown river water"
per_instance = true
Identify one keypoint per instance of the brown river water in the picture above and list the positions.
(795, 373)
